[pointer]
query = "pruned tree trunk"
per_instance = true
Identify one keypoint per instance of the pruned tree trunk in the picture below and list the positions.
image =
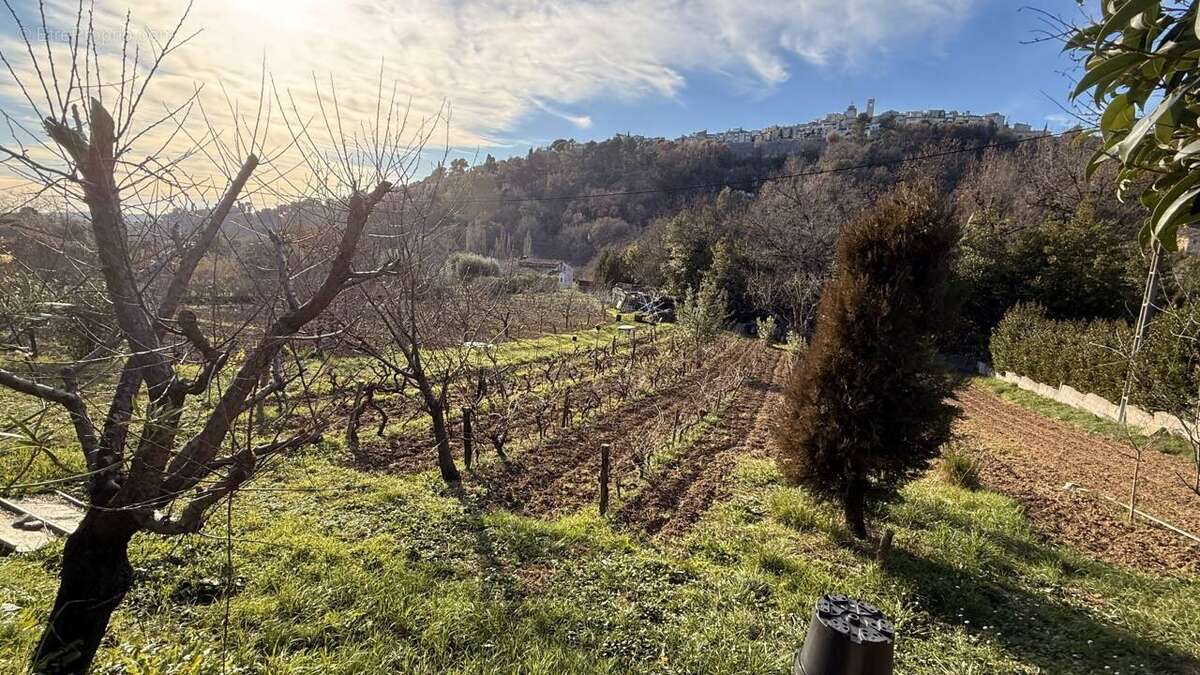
(885, 547)
(362, 399)
(467, 438)
(855, 508)
(605, 453)
(437, 415)
(1133, 488)
(94, 579)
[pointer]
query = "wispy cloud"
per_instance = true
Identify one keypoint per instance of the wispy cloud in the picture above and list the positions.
(1061, 121)
(581, 121)
(498, 61)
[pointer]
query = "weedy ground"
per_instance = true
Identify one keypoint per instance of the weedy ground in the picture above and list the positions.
(320, 568)
(335, 571)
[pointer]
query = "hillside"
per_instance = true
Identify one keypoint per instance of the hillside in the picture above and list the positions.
(548, 196)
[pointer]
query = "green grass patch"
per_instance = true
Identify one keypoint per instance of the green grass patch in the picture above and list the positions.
(335, 571)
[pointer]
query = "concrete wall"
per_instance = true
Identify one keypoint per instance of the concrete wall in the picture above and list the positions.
(1147, 422)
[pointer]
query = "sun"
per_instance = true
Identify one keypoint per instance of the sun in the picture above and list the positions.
(279, 13)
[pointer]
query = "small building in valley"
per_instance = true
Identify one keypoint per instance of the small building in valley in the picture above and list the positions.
(558, 269)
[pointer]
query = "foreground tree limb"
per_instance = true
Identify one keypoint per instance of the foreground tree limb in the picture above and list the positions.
(145, 471)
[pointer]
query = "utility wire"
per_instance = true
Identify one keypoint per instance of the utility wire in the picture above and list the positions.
(752, 182)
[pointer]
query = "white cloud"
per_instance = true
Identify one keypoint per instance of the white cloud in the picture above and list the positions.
(497, 61)
(581, 121)
(1061, 121)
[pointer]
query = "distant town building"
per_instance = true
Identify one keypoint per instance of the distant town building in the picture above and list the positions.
(847, 122)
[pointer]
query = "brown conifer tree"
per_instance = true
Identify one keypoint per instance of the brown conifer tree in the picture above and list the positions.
(865, 411)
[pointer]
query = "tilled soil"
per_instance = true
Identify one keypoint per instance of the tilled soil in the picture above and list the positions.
(1039, 461)
(562, 475)
(416, 451)
(693, 479)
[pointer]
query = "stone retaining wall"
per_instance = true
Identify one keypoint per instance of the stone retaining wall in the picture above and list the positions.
(1147, 422)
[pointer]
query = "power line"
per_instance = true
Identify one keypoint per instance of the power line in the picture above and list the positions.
(752, 182)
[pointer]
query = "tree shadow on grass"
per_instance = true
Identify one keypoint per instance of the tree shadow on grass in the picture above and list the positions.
(495, 580)
(1039, 630)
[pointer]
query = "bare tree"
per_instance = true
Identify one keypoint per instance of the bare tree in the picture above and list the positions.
(795, 224)
(426, 328)
(144, 474)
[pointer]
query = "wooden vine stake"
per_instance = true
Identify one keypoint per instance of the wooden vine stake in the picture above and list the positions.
(468, 450)
(605, 451)
(566, 409)
(885, 546)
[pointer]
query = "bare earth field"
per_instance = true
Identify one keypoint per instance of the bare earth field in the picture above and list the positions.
(695, 479)
(1032, 458)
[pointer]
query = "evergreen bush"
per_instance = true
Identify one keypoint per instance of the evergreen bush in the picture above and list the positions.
(865, 409)
(467, 266)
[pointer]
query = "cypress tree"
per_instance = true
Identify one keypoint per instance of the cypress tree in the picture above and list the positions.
(865, 410)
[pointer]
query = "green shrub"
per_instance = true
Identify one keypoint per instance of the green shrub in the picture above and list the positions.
(1090, 356)
(1077, 268)
(1167, 376)
(765, 328)
(702, 314)
(525, 282)
(796, 341)
(466, 266)
(959, 466)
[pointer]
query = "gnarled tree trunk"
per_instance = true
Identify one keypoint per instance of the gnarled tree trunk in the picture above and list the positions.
(855, 508)
(94, 579)
(441, 436)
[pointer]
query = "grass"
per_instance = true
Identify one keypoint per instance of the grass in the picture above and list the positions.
(338, 571)
(958, 466)
(1167, 443)
(344, 572)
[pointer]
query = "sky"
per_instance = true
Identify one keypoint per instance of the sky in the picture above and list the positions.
(521, 73)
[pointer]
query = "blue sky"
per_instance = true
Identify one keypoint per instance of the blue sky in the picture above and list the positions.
(985, 65)
(516, 73)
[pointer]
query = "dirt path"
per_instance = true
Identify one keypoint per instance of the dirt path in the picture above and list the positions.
(1032, 458)
(692, 480)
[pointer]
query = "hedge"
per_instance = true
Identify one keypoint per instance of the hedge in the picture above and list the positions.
(1090, 355)
(468, 266)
